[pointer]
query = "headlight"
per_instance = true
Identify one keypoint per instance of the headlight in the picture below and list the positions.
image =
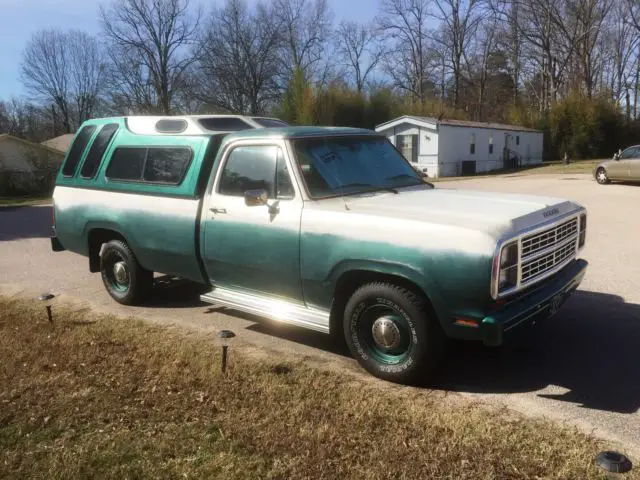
(508, 275)
(583, 230)
(509, 255)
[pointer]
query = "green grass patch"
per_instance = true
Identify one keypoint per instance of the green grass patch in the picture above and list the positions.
(100, 397)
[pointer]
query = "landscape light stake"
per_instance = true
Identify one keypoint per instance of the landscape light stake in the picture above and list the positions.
(47, 300)
(615, 463)
(225, 337)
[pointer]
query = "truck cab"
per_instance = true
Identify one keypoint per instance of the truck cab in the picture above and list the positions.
(326, 228)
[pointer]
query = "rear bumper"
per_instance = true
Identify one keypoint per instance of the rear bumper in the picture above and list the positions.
(538, 306)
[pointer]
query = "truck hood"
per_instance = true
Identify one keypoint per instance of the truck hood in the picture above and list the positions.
(489, 212)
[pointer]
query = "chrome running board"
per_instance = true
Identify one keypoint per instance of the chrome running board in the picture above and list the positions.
(275, 309)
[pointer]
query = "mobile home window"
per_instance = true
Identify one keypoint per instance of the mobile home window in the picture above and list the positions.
(517, 139)
(96, 152)
(472, 146)
(75, 153)
(408, 146)
(490, 144)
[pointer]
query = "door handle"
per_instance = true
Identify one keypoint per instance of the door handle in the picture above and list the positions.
(218, 210)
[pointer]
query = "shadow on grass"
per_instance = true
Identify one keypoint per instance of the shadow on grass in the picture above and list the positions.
(173, 292)
(590, 348)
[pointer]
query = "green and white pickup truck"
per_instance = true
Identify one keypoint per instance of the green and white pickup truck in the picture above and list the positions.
(326, 228)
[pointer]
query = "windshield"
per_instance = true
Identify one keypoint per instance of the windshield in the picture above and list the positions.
(343, 165)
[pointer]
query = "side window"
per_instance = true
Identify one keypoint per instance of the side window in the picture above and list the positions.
(96, 152)
(76, 150)
(630, 153)
(254, 168)
(126, 164)
(167, 165)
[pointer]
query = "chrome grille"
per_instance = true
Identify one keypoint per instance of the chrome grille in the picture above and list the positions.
(544, 263)
(533, 244)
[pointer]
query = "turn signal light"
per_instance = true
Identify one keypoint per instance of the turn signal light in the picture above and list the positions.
(466, 322)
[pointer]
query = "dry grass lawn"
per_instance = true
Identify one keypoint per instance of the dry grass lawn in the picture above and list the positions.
(99, 397)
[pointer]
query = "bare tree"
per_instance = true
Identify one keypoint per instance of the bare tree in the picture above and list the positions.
(634, 12)
(589, 17)
(459, 21)
(551, 35)
(306, 28)
(404, 25)
(238, 58)
(482, 49)
(359, 48)
(622, 41)
(149, 50)
(65, 70)
(25, 120)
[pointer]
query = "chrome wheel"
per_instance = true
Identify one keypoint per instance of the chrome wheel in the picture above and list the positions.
(385, 334)
(121, 273)
(601, 176)
(117, 273)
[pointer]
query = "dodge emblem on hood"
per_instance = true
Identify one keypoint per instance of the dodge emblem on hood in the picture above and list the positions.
(551, 212)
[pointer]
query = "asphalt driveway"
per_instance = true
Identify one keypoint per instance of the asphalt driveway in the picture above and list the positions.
(582, 366)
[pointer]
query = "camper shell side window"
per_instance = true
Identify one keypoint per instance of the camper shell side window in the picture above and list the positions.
(163, 165)
(77, 149)
(97, 150)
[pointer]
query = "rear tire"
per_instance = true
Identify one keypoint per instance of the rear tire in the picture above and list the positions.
(393, 333)
(124, 279)
(601, 176)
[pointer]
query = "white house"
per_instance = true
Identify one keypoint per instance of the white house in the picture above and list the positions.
(444, 148)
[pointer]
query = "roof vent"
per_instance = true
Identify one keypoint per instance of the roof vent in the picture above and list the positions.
(171, 125)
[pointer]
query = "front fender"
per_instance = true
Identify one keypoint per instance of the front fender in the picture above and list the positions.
(408, 272)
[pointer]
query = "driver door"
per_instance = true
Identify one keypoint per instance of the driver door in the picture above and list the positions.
(619, 170)
(254, 248)
(634, 165)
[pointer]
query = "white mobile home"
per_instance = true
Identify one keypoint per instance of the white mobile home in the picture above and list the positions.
(444, 148)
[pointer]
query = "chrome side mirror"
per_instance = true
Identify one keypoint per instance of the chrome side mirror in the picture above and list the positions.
(253, 198)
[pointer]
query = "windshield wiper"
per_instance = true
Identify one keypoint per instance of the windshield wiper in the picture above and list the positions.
(381, 187)
(402, 175)
(406, 175)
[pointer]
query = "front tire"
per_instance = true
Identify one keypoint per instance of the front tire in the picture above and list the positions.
(601, 176)
(392, 333)
(124, 279)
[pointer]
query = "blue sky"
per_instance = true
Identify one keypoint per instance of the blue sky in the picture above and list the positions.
(20, 18)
